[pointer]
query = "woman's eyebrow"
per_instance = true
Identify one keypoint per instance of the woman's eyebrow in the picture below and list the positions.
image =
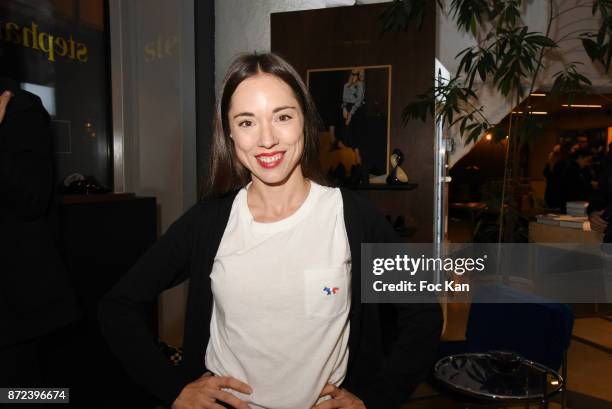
(244, 114)
(274, 111)
(283, 107)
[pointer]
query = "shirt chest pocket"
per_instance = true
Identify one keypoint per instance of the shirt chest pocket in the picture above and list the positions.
(327, 291)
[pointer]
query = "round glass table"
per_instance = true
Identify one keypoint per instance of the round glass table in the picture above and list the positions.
(499, 376)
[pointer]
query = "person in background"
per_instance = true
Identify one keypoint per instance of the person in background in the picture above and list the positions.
(274, 316)
(551, 172)
(36, 298)
(353, 98)
(599, 154)
(582, 142)
(574, 181)
(355, 121)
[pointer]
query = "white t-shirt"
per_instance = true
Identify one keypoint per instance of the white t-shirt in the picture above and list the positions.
(281, 301)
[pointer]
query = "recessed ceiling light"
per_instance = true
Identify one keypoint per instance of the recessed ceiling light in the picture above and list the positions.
(581, 106)
(537, 94)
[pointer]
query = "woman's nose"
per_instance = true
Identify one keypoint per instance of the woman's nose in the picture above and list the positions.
(267, 137)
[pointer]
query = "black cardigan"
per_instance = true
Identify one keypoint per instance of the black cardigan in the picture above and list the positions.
(187, 251)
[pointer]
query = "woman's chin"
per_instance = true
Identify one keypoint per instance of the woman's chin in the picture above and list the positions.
(272, 180)
(276, 176)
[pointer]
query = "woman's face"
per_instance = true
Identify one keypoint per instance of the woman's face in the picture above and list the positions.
(267, 126)
(357, 75)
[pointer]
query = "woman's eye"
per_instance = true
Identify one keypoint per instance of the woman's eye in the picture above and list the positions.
(284, 118)
(245, 123)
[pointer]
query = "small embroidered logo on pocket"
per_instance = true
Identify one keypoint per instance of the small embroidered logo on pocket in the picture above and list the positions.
(330, 291)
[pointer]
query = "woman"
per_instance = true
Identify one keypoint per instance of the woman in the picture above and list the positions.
(273, 317)
(353, 99)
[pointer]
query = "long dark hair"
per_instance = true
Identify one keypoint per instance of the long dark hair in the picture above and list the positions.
(226, 173)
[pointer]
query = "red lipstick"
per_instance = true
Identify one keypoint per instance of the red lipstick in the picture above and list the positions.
(270, 160)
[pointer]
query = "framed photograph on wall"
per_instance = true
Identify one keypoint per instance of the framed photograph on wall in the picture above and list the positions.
(354, 104)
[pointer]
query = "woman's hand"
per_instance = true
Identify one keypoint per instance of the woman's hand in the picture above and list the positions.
(340, 398)
(598, 224)
(202, 393)
(4, 100)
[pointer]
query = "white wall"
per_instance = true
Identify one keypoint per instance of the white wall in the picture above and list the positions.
(153, 73)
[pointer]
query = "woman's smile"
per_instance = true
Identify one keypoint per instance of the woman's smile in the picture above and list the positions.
(270, 160)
